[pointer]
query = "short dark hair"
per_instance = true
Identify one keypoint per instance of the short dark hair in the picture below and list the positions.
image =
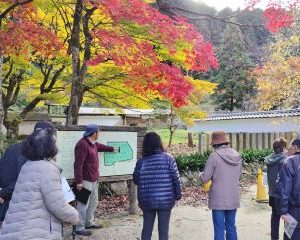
(40, 145)
(279, 145)
(152, 144)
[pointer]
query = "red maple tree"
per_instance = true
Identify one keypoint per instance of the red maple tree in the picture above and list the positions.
(140, 54)
(278, 13)
(21, 33)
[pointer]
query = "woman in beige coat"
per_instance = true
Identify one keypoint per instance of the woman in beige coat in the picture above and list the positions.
(224, 169)
(38, 208)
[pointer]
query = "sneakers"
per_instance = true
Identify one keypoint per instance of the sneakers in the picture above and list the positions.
(84, 232)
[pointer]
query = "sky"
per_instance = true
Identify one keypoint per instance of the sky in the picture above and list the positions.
(233, 4)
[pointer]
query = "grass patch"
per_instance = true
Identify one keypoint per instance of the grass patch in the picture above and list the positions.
(180, 136)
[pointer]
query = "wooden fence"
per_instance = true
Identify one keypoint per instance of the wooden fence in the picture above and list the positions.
(241, 141)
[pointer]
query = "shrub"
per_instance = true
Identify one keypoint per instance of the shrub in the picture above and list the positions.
(193, 162)
(196, 162)
(251, 156)
(5, 143)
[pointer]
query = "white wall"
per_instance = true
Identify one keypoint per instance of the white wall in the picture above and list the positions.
(258, 125)
(100, 120)
(90, 119)
(26, 127)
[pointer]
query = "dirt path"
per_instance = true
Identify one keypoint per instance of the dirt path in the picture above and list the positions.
(192, 223)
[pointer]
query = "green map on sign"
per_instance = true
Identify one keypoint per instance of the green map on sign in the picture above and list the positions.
(125, 154)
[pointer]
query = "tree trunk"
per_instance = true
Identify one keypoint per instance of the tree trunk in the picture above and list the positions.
(6, 123)
(77, 88)
(172, 126)
(231, 104)
(171, 137)
(79, 71)
(1, 102)
(1, 106)
(190, 140)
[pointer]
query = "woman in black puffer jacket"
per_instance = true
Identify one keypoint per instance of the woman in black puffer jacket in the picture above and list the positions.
(157, 177)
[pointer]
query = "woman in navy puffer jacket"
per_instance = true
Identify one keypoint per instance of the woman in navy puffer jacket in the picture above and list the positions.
(157, 177)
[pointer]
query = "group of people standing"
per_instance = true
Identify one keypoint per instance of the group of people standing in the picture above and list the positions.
(283, 171)
(157, 178)
(32, 205)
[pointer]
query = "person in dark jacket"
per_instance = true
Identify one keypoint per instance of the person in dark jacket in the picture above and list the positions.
(86, 171)
(157, 178)
(274, 163)
(10, 166)
(287, 190)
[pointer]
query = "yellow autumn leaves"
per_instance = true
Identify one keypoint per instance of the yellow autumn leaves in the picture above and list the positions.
(279, 78)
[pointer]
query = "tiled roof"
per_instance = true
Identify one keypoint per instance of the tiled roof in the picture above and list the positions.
(111, 111)
(251, 115)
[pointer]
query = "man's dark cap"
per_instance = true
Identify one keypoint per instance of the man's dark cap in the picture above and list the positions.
(296, 142)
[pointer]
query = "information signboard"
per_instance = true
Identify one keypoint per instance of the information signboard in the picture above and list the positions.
(111, 164)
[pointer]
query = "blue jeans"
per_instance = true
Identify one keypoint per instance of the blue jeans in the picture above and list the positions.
(163, 224)
(224, 220)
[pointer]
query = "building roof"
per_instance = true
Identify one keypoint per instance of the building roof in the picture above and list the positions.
(252, 115)
(111, 111)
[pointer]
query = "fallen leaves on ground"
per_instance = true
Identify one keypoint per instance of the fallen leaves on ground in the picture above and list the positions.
(112, 205)
(194, 196)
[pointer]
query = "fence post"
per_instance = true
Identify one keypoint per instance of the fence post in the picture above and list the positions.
(264, 140)
(234, 141)
(230, 139)
(272, 138)
(202, 143)
(208, 141)
(247, 141)
(259, 141)
(199, 142)
(253, 141)
(190, 140)
(241, 142)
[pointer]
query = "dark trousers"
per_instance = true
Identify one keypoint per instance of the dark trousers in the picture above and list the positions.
(275, 220)
(163, 224)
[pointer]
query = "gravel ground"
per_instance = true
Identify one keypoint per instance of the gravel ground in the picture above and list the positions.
(189, 223)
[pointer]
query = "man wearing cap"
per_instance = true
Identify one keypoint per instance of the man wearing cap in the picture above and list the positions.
(287, 191)
(224, 169)
(10, 166)
(86, 171)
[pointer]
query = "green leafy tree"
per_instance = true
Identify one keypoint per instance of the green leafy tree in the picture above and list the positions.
(234, 86)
